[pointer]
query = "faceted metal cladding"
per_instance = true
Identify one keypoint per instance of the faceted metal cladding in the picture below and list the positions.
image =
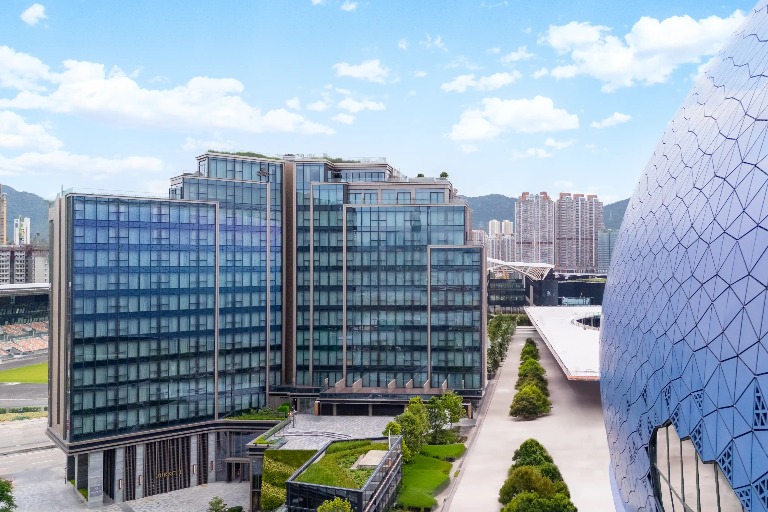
(684, 316)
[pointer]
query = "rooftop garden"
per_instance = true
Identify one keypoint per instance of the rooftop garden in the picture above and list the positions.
(243, 153)
(334, 469)
(279, 465)
(269, 412)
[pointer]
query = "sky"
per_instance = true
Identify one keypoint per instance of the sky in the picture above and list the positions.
(504, 96)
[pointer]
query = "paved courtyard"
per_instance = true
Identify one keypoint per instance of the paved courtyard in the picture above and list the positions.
(573, 434)
(312, 432)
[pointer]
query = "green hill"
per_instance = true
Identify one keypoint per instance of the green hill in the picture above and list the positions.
(25, 204)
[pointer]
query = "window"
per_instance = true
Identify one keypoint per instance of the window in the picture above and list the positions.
(682, 481)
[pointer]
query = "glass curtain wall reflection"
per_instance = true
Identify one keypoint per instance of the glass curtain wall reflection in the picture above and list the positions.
(143, 305)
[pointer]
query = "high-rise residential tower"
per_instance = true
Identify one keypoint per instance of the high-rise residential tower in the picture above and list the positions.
(340, 285)
(494, 228)
(3, 217)
(578, 220)
(21, 231)
(535, 233)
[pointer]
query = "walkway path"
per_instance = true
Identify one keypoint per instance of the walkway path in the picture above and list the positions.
(573, 434)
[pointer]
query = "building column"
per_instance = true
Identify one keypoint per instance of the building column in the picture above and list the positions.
(119, 484)
(71, 467)
(193, 469)
(95, 479)
(140, 483)
(370, 409)
(211, 457)
(81, 471)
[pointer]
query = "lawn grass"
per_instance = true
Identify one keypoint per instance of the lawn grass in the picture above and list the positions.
(334, 468)
(279, 465)
(422, 479)
(449, 452)
(14, 416)
(32, 374)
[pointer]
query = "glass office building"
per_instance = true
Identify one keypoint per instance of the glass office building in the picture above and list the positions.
(258, 280)
(684, 355)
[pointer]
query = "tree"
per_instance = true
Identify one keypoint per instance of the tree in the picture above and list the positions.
(443, 175)
(335, 505)
(442, 412)
(529, 403)
(216, 505)
(525, 478)
(392, 428)
(420, 175)
(531, 502)
(531, 453)
(413, 430)
(7, 503)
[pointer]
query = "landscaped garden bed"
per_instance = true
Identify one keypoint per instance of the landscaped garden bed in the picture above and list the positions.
(279, 465)
(334, 469)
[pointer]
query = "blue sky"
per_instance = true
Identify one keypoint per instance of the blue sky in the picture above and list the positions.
(506, 96)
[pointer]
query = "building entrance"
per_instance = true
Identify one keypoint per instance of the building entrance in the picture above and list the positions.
(238, 471)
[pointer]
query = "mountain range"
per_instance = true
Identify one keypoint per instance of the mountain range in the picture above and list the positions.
(484, 208)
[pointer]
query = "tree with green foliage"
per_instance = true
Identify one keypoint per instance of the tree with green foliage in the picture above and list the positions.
(529, 403)
(525, 478)
(7, 503)
(413, 430)
(442, 412)
(530, 351)
(392, 428)
(531, 453)
(531, 368)
(531, 502)
(444, 175)
(217, 505)
(335, 505)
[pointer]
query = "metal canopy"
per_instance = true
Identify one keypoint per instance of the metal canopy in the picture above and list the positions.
(536, 271)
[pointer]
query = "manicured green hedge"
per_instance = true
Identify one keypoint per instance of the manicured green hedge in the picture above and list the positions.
(532, 397)
(448, 452)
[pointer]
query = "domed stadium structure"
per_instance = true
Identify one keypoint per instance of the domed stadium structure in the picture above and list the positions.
(684, 346)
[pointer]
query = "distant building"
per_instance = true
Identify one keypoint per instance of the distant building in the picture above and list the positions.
(578, 220)
(535, 236)
(3, 213)
(606, 240)
(494, 228)
(507, 227)
(21, 231)
(23, 264)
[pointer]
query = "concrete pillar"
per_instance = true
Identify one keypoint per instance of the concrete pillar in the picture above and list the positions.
(211, 457)
(81, 471)
(370, 409)
(334, 409)
(193, 469)
(140, 483)
(95, 479)
(71, 464)
(119, 485)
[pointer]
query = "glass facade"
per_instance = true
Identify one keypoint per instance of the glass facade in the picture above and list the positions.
(684, 352)
(143, 291)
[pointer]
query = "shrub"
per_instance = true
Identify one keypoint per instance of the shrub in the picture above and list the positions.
(529, 403)
(238, 508)
(335, 505)
(525, 478)
(551, 471)
(529, 352)
(539, 382)
(393, 428)
(531, 368)
(7, 502)
(271, 497)
(529, 453)
(531, 502)
(216, 505)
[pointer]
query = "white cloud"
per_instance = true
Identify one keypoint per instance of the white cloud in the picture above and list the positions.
(66, 163)
(434, 42)
(344, 118)
(86, 88)
(370, 70)
(648, 54)
(318, 2)
(348, 6)
(192, 144)
(540, 73)
(293, 103)
(520, 54)
(523, 116)
(462, 62)
(493, 51)
(22, 71)
(558, 144)
(484, 83)
(33, 14)
(611, 120)
(354, 106)
(420, 74)
(530, 153)
(318, 106)
(402, 44)
(16, 133)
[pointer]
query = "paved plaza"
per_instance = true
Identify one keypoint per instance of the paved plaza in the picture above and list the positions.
(313, 432)
(573, 434)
